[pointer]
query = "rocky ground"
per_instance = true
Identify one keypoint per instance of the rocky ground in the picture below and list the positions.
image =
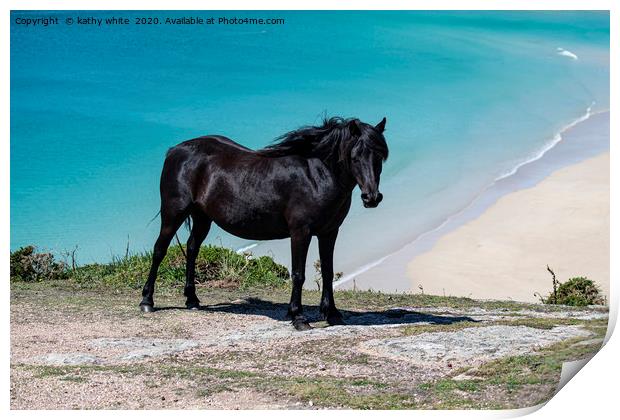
(93, 349)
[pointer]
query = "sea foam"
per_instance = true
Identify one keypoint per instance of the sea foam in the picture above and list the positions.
(557, 137)
(566, 53)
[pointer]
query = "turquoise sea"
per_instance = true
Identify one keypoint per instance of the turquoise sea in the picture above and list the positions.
(469, 96)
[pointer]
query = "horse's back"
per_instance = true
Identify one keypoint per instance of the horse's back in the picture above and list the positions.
(187, 164)
(210, 144)
(190, 159)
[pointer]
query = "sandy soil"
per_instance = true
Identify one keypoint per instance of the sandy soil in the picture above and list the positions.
(563, 222)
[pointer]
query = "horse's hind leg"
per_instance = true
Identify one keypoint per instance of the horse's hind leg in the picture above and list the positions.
(199, 232)
(170, 223)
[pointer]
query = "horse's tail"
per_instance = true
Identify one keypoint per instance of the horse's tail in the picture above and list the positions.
(154, 217)
(187, 222)
(188, 225)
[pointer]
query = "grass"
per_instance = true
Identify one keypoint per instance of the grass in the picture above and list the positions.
(376, 300)
(541, 323)
(331, 392)
(215, 266)
(97, 294)
(225, 273)
(70, 294)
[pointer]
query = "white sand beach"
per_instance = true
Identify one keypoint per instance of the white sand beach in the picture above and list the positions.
(554, 211)
(563, 222)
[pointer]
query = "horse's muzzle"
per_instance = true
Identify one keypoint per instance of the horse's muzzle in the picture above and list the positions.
(371, 200)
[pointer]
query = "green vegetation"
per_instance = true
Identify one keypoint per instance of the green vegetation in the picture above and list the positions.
(220, 268)
(538, 322)
(215, 266)
(577, 291)
(29, 266)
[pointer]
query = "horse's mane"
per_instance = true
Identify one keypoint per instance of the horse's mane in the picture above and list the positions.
(331, 142)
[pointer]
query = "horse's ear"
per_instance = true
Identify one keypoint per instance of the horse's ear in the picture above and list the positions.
(381, 126)
(354, 128)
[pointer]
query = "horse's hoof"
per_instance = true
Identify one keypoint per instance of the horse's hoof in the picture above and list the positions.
(146, 308)
(336, 320)
(333, 317)
(193, 306)
(301, 325)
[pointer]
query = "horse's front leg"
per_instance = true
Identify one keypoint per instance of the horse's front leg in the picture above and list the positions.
(326, 253)
(300, 241)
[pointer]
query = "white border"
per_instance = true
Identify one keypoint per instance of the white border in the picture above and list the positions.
(592, 394)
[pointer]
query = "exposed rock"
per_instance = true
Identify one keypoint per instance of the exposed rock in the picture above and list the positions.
(589, 342)
(140, 348)
(470, 345)
(68, 359)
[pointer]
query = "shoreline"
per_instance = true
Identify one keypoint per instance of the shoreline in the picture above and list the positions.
(582, 139)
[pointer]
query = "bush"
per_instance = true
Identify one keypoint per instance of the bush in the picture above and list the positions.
(577, 291)
(30, 266)
(215, 267)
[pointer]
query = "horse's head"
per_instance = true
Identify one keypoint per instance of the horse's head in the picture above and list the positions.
(350, 147)
(367, 157)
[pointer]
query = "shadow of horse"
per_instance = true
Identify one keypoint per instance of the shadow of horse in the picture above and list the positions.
(277, 311)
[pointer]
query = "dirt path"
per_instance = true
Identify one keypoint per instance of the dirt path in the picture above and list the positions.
(88, 349)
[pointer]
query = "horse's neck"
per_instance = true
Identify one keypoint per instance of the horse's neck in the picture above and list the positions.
(344, 178)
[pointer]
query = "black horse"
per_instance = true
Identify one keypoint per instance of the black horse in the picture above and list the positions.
(299, 187)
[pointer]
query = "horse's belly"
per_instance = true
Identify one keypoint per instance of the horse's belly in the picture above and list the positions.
(258, 227)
